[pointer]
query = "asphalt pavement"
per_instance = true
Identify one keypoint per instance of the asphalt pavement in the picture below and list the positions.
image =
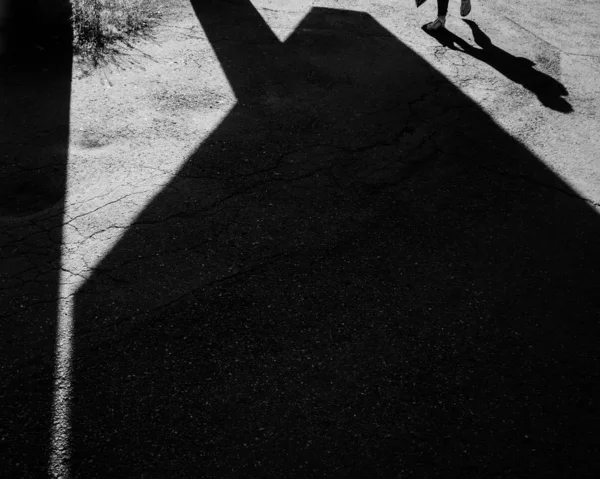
(305, 239)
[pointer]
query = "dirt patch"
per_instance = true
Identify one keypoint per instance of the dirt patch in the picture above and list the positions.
(169, 100)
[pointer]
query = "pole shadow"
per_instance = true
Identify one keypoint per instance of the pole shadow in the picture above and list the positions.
(35, 86)
(550, 92)
(358, 274)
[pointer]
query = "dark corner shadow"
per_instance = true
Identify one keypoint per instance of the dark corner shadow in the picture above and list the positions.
(358, 274)
(35, 86)
(549, 91)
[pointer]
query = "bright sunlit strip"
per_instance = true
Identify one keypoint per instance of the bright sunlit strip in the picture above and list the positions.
(61, 424)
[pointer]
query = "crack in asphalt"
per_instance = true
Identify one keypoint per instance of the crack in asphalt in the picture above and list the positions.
(241, 191)
(411, 169)
(74, 218)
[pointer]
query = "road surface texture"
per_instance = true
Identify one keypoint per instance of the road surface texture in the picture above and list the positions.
(305, 238)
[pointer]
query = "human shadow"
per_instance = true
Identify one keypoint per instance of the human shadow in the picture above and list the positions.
(357, 274)
(549, 91)
(35, 86)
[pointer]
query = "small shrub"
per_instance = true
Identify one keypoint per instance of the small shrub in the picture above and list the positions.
(99, 25)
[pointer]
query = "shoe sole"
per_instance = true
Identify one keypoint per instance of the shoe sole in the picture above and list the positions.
(441, 27)
(465, 8)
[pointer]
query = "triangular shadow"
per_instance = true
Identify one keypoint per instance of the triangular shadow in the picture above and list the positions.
(358, 274)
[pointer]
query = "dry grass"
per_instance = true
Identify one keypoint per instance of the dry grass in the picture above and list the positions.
(99, 26)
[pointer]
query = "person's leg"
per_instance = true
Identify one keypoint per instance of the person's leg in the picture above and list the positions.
(440, 21)
(443, 8)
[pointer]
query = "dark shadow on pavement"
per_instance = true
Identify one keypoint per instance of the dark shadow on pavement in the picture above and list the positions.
(549, 91)
(358, 274)
(35, 86)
